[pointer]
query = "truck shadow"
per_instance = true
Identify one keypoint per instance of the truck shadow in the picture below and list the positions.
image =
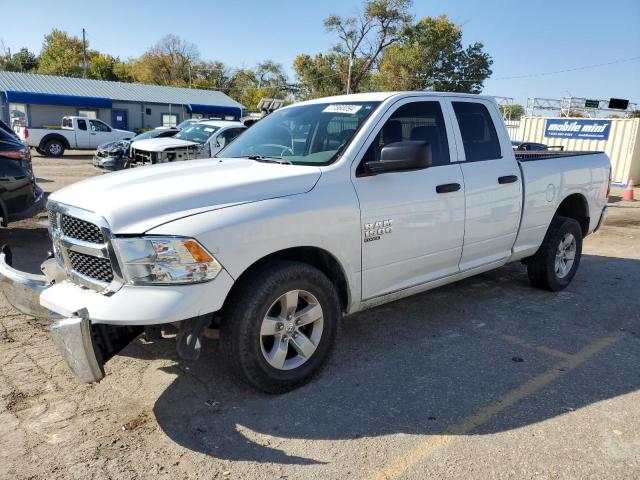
(422, 365)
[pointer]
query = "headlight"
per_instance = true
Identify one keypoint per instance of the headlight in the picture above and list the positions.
(165, 260)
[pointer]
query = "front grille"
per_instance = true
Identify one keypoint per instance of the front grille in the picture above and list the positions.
(53, 220)
(143, 158)
(90, 266)
(80, 229)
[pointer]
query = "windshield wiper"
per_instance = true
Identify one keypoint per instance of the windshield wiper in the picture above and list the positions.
(263, 158)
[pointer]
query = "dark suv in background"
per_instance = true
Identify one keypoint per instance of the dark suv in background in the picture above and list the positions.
(20, 197)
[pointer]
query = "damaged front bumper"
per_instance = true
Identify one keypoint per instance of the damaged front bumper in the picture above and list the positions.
(84, 347)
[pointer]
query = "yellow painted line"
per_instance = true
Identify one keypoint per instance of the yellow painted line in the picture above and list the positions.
(532, 346)
(422, 451)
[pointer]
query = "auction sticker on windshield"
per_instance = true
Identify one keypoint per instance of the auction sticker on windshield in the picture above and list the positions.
(337, 108)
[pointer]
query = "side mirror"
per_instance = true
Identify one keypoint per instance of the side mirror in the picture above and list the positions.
(401, 156)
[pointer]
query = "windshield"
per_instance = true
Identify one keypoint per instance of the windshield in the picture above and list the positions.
(304, 135)
(198, 133)
(145, 135)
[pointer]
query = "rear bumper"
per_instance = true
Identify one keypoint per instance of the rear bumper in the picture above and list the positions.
(603, 216)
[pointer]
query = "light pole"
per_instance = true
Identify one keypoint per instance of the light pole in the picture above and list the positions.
(84, 53)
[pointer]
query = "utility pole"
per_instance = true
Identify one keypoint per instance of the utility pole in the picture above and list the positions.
(189, 74)
(349, 74)
(84, 53)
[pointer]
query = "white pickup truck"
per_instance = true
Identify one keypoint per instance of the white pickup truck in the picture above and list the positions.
(78, 133)
(320, 210)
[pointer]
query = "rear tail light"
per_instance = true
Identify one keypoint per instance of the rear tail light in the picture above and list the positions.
(26, 133)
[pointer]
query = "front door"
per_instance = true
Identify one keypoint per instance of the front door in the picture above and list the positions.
(99, 133)
(493, 185)
(120, 119)
(412, 222)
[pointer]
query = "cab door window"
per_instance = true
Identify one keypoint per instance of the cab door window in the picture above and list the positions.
(417, 121)
(97, 126)
(478, 132)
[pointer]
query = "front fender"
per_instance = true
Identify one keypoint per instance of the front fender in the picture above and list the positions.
(241, 235)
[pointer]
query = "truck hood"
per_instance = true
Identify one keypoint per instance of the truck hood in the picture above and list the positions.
(136, 200)
(161, 144)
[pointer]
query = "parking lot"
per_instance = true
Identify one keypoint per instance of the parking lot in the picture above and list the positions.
(485, 378)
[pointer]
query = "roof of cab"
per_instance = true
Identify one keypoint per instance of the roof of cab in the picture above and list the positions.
(221, 123)
(382, 96)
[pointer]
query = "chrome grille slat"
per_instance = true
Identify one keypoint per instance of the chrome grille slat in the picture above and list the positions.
(82, 230)
(90, 266)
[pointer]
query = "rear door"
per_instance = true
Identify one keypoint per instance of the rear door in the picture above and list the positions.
(412, 221)
(493, 187)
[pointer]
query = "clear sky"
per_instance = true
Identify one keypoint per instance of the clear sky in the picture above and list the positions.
(525, 38)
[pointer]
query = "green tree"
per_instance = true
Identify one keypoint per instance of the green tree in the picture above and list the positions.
(22, 61)
(361, 41)
(319, 76)
(103, 66)
(512, 112)
(61, 54)
(168, 62)
(431, 56)
(265, 80)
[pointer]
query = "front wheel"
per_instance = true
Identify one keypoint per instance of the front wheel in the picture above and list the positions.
(279, 326)
(556, 261)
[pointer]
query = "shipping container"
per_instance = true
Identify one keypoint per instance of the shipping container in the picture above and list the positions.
(622, 144)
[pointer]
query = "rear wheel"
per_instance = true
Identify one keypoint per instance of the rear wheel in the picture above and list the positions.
(556, 262)
(54, 148)
(279, 326)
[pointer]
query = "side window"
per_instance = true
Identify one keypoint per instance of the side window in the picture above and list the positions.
(97, 126)
(479, 135)
(418, 121)
(228, 136)
(82, 124)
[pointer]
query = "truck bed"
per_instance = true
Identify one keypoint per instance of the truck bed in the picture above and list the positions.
(526, 156)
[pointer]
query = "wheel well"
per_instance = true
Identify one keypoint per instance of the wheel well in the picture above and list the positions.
(575, 206)
(46, 138)
(317, 257)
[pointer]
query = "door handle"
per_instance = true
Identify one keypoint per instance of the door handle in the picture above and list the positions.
(448, 187)
(508, 179)
(93, 134)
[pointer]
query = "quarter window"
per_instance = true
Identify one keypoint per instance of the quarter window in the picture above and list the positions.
(82, 125)
(478, 132)
(416, 121)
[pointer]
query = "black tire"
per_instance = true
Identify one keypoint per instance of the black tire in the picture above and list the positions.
(54, 148)
(248, 305)
(40, 151)
(541, 267)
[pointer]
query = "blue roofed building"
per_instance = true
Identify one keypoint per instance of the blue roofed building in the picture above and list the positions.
(33, 100)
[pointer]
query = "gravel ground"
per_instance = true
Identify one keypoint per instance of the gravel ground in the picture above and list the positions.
(486, 378)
